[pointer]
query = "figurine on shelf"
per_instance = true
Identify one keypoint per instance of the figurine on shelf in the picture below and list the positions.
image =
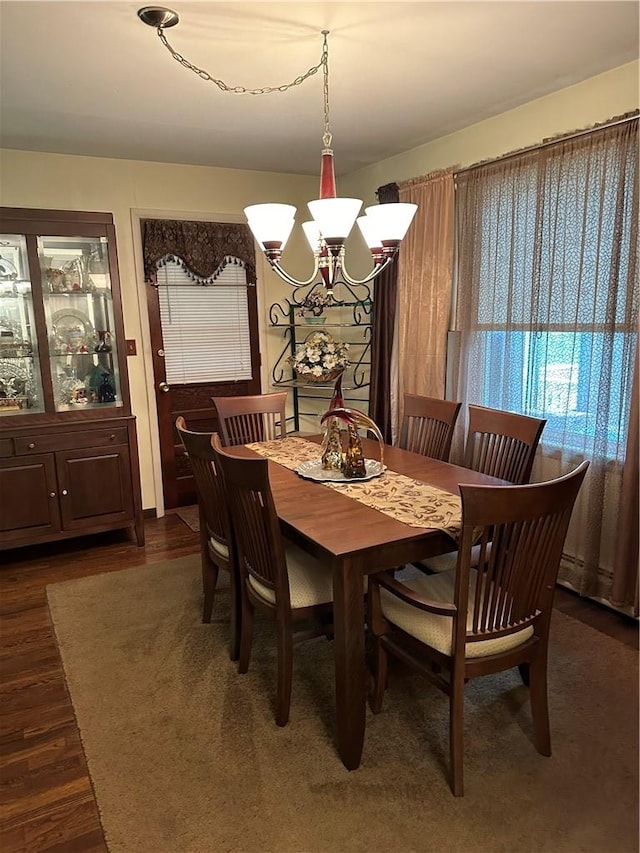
(8, 271)
(106, 391)
(104, 343)
(80, 395)
(56, 280)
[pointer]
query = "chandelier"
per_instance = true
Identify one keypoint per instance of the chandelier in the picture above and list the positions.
(383, 226)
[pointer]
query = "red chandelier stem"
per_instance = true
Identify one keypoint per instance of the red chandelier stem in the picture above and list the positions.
(327, 175)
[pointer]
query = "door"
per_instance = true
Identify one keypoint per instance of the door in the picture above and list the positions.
(204, 340)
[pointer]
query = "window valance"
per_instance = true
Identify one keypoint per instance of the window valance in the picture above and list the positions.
(203, 248)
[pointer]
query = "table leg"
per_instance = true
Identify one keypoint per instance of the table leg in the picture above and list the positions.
(348, 620)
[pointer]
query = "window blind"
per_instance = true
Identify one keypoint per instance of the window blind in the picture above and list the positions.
(205, 329)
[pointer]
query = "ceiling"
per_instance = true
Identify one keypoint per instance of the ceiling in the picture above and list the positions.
(90, 78)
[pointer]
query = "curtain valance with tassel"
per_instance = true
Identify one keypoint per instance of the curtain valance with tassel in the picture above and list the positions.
(203, 248)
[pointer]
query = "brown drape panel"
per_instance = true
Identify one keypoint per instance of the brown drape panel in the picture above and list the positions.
(425, 273)
(384, 316)
(203, 248)
(624, 591)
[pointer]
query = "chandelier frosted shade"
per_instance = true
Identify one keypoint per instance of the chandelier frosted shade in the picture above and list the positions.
(312, 233)
(271, 224)
(370, 232)
(389, 221)
(335, 217)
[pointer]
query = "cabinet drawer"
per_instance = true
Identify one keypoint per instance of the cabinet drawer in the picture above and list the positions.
(6, 447)
(70, 441)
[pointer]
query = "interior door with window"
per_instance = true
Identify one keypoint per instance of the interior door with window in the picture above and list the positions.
(204, 339)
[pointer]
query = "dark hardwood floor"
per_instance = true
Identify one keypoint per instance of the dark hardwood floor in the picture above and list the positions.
(47, 801)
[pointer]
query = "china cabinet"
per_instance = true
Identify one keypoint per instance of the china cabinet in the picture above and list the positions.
(68, 447)
(347, 319)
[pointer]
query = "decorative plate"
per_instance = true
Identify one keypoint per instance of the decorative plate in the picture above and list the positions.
(313, 470)
(73, 329)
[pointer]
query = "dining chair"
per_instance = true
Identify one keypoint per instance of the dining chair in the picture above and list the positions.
(473, 622)
(276, 578)
(427, 426)
(217, 546)
(255, 417)
(501, 444)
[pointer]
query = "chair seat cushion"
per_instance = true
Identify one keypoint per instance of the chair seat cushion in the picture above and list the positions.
(218, 548)
(310, 581)
(435, 630)
(447, 562)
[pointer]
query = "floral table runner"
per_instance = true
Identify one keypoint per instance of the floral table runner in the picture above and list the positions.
(403, 498)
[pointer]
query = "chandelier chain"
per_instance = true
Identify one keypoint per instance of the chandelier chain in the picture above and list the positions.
(326, 137)
(265, 90)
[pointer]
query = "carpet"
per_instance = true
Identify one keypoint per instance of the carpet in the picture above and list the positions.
(190, 515)
(185, 756)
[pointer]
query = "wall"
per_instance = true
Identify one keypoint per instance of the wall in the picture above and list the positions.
(594, 100)
(32, 179)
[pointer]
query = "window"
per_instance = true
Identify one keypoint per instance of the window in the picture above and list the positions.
(205, 328)
(548, 288)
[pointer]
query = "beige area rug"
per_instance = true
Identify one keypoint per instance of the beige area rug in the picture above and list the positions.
(185, 756)
(191, 516)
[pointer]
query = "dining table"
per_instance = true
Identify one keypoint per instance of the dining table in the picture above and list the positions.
(355, 540)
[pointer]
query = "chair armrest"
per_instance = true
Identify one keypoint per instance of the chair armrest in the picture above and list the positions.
(409, 596)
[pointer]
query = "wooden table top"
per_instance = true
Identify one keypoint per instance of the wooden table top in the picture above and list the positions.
(334, 525)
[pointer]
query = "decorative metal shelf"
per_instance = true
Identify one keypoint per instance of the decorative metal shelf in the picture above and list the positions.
(285, 315)
(315, 327)
(297, 383)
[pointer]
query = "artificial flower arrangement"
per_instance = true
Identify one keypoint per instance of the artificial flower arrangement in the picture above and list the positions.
(315, 302)
(320, 357)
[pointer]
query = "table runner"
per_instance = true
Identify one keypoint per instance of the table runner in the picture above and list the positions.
(403, 498)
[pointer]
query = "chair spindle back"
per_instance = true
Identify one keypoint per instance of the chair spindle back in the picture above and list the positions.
(427, 426)
(502, 444)
(257, 417)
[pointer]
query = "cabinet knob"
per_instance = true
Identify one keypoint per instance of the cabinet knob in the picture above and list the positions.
(52, 494)
(112, 438)
(31, 445)
(65, 492)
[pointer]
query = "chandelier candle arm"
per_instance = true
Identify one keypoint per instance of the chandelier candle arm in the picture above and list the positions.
(374, 273)
(275, 266)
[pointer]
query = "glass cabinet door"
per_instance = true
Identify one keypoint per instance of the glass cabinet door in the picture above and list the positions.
(20, 379)
(79, 316)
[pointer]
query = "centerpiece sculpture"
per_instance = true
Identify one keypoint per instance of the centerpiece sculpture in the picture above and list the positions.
(350, 461)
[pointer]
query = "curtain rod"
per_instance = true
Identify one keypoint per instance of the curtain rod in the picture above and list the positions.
(547, 142)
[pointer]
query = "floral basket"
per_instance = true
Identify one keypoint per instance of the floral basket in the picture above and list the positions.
(320, 358)
(330, 376)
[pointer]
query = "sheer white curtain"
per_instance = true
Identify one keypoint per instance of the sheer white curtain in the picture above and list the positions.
(547, 317)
